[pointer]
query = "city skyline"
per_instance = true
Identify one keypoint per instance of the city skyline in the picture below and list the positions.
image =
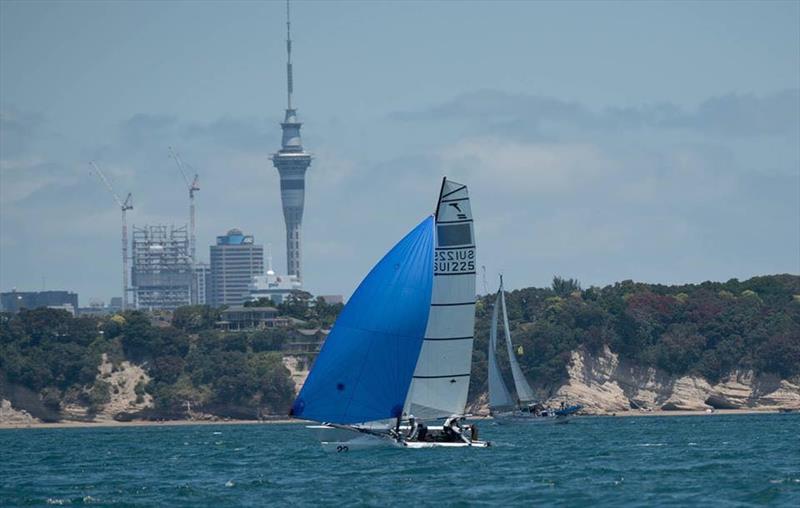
(580, 164)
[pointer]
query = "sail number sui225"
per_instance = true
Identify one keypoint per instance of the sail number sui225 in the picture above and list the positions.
(454, 261)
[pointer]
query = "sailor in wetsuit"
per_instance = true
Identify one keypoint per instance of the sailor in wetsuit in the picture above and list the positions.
(413, 428)
(452, 429)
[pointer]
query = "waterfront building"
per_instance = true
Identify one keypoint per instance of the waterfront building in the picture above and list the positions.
(332, 299)
(292, 161)
(238, 318)
(162, 269)
(235, 260)
(13, 301)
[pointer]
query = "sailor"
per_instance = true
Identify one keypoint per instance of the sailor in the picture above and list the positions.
(449, 429)
(413, 428)
(453, 430)
(423, 432)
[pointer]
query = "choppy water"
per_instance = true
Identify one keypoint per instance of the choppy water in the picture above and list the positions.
(696, 460)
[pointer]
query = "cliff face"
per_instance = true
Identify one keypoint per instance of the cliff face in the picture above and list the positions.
(606, 383)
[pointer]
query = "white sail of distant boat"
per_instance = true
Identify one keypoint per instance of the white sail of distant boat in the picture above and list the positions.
(403, 343)
(524, 392)
(499, 398)
(501, 405)
(441, 378)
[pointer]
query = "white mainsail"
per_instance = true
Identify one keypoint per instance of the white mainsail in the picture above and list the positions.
(524, 392)
(498, 392)
(441, 378)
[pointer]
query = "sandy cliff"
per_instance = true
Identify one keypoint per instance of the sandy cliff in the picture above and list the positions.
(122, 381)
(298, 368)
(606, 383)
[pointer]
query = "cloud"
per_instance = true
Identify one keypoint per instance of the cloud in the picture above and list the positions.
(145, 129)
(249, 134)
(508, 166)
(18, 130)
(746, 115)
(653, 192)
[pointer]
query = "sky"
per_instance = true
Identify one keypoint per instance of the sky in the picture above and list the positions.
(604, 141)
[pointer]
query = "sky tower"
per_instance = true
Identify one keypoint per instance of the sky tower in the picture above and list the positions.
(292, 161)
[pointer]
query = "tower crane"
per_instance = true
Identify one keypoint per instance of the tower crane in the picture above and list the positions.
(124, 207)
(193, 187)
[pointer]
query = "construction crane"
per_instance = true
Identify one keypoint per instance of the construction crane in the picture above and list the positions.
(193, 187)
(124, 206)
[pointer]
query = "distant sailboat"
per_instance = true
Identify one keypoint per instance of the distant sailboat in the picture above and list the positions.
(502, 407)
(400, 352)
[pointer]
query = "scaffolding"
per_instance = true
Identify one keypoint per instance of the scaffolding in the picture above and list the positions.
(162, 267)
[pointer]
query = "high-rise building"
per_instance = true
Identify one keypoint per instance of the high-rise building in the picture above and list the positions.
(202, 277)
(235, 260)
(292, 161)
(13, 301)
(115, 304)
(162, 268)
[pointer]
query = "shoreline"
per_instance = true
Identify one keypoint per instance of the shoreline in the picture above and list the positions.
(688, 412)
(138, 423)
(173, 423)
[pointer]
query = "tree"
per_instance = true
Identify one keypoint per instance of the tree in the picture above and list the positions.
(565, 287)
(194, 318)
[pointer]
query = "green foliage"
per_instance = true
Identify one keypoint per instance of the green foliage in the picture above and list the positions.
(48, 348)
(99, 394)
(195, 318)
(316, 312)
(58, 356)
(708, 329)
(565, 287)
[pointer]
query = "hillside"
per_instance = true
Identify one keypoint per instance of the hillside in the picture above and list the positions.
(732, 344)
(55, 366)
(576, 343)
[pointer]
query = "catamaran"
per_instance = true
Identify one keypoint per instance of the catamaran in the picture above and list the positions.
(395, 368)
(501, 406)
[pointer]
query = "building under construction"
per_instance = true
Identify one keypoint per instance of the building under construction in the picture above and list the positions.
(162, 267)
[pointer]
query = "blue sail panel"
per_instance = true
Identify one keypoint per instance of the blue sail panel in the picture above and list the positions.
(365, 367)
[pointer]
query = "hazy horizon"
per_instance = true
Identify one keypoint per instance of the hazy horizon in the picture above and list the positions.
(658, 142)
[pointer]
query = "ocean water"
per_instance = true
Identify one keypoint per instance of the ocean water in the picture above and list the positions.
(715, 460)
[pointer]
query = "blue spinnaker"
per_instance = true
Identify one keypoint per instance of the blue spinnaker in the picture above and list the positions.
(365, 367)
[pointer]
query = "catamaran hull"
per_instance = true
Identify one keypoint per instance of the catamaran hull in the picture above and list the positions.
(342, 439)
(528, 419)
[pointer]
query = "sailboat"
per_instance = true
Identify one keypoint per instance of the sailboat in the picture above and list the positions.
(395, 368)
(525, 408)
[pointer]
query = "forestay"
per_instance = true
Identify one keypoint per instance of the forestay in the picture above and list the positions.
(499, 398)
(441, 379)
(524, 392)
(364, 369)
